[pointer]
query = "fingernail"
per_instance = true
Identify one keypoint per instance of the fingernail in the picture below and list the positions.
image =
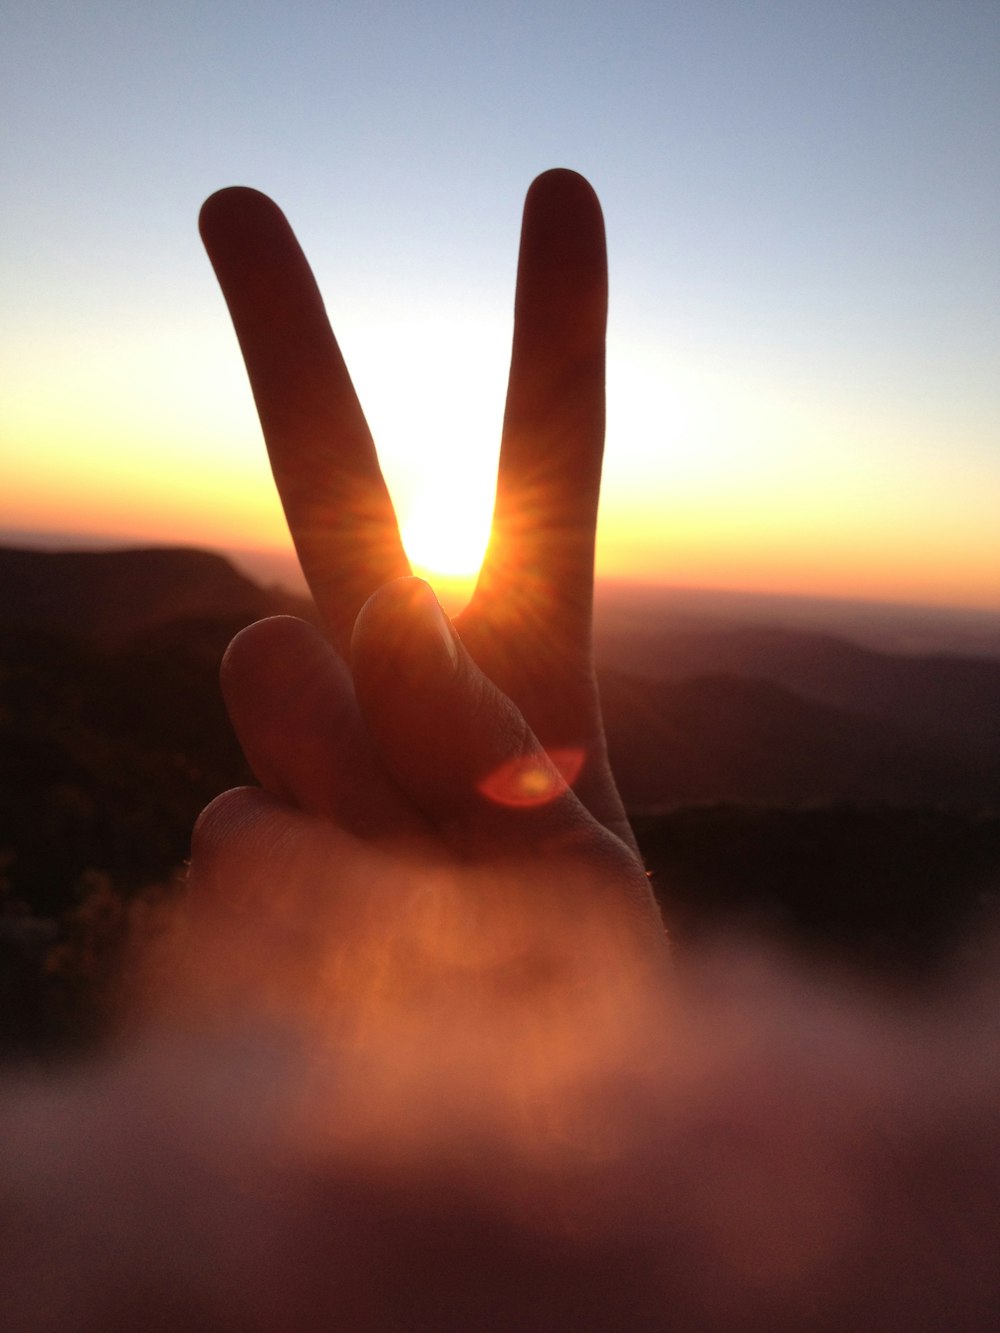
(430, 647)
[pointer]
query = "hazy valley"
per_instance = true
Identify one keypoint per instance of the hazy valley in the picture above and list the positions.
(843, 798)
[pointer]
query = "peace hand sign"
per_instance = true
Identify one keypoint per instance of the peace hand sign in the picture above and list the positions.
(460, 753)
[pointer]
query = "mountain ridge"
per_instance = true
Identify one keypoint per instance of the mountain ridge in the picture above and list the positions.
(761, 714)
(114, 594)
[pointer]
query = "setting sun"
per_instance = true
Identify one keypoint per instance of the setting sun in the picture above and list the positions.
(446, 533)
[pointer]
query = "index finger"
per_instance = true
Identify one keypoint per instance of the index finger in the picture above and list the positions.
(321, 451)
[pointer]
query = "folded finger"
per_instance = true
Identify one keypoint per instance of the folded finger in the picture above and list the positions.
(292, 705)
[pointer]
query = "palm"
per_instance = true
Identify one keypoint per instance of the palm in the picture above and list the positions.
(528, 625)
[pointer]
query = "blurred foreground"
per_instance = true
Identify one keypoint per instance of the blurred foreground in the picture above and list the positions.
(447, 1111)
(745, 1149)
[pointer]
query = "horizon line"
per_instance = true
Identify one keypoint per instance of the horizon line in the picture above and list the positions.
(61, 541)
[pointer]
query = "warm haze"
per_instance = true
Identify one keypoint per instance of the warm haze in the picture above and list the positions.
(800, 202)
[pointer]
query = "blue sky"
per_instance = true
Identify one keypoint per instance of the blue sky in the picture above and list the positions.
(801, 199)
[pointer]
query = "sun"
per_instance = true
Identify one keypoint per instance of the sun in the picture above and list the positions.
(446, 533)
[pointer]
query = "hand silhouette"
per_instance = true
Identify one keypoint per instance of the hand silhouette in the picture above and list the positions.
(528, 624)
(486, 1116)
(487, 733)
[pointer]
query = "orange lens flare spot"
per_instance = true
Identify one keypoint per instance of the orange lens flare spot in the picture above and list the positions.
(533, 779)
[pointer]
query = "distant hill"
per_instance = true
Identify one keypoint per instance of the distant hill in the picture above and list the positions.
(113, 595)
(774, 715)
(939, 698)
(633, 609)
(745, 739)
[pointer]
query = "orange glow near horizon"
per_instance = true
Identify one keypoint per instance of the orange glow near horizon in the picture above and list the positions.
(155, 495)
(722, 470)
(948, 568)
(728, 502)
(780, 552)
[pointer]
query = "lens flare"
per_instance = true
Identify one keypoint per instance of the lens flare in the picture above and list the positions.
(533, 779)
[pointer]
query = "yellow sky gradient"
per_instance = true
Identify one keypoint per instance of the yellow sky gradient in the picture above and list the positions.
(715, 475)
(736, 538)
(801, 210)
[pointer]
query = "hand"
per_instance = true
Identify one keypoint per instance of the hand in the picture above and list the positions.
(443, 755)
(528, 625)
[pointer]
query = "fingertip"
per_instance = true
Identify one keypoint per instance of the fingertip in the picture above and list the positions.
(270, 652)
(233, 198)
(228, 816)
(238, 212)
(562, 187)
(562, 266)
(403, 629)
(274, 676)
(562, 178)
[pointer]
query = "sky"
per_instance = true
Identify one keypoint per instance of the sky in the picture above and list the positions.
(802, 205)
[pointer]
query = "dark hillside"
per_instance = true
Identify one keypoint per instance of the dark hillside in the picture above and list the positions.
(938, 697)
(741, 738)
(890, 892)
(111, 595)
(105, 759)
